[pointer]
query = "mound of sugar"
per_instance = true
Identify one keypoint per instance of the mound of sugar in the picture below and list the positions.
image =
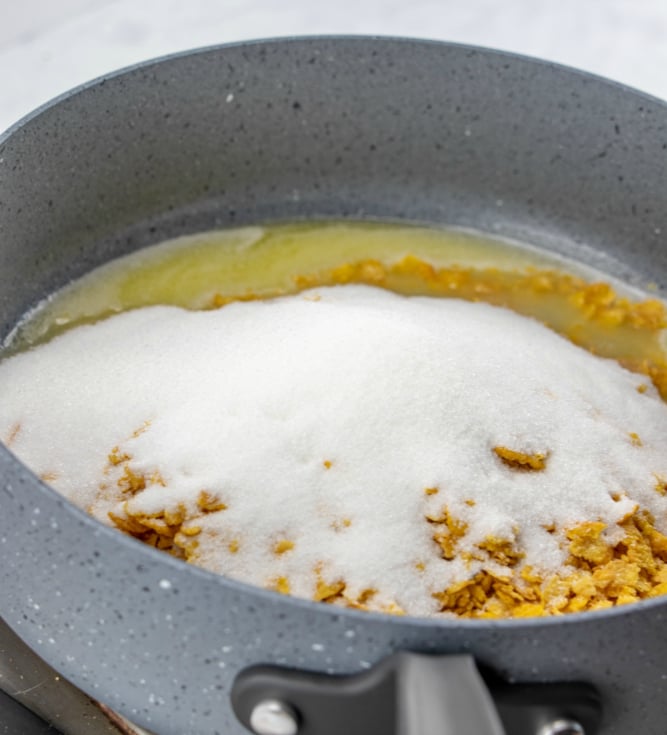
(330, 424)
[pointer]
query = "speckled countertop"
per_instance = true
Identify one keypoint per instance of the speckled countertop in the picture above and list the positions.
(48, 47)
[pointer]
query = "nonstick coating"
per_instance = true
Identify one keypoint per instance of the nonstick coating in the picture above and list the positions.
(308, 128)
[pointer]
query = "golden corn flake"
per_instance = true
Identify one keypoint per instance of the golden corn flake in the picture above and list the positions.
(282, 585)
(210, 502)
(634, 438)
(327, 591)
(282, 546)
(449, 532)
(587, 543)
(521, 460)
(131, 482)
(233, 546)
(117, 457)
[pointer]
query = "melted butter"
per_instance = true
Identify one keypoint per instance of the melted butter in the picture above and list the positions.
(189, 271)
(210, 269)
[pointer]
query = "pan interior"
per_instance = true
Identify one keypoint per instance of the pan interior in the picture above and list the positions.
(211, 270)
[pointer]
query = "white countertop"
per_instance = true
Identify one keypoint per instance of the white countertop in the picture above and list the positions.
(49, 46)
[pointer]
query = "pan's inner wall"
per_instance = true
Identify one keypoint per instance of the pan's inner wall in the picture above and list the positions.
(328, 129)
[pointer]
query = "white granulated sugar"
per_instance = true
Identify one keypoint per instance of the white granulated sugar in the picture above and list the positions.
(322, 418)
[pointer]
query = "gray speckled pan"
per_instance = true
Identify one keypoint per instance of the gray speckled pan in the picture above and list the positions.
(321, 127)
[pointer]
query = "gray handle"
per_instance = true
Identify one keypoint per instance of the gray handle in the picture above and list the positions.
(411, 694)
(444, 695)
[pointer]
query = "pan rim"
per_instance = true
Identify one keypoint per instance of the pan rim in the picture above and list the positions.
(301, 39)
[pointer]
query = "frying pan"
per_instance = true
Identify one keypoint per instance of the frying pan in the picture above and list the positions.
(327, 128)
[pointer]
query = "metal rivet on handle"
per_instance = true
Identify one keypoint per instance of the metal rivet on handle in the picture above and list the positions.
(562, 727)
(272, 717)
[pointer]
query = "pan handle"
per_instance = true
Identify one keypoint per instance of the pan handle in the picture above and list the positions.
(410, 694)
(447, 690)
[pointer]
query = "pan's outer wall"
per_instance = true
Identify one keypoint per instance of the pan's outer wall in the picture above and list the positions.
(307, 128)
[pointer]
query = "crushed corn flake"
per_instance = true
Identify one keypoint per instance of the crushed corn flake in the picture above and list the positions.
(635, 439)
(521, 460)
(283, 546)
